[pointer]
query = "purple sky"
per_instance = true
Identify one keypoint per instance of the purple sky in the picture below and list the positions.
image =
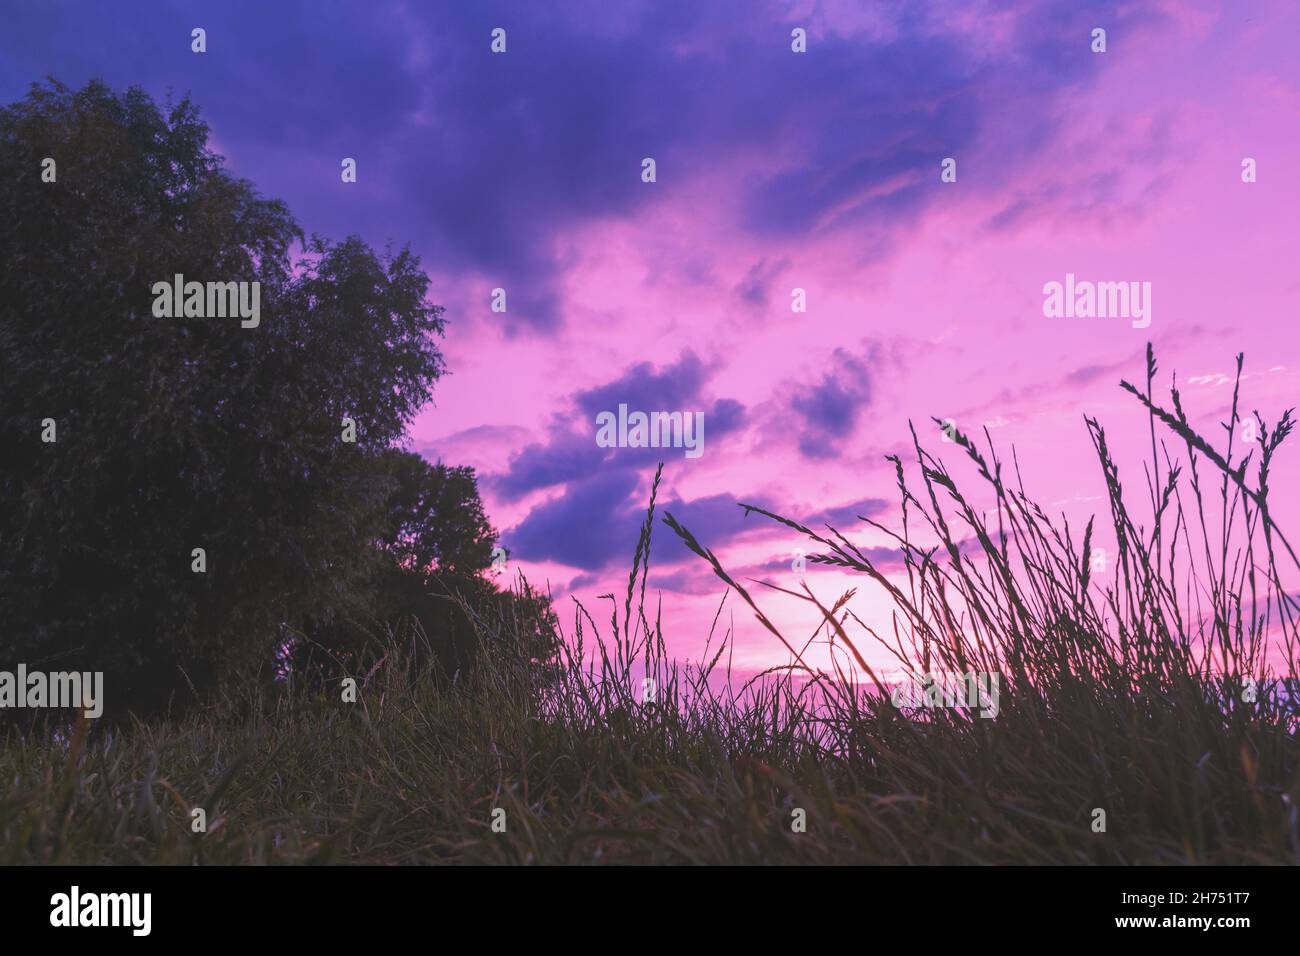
(775, 171)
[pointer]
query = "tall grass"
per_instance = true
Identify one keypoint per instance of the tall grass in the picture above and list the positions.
(1128, 694)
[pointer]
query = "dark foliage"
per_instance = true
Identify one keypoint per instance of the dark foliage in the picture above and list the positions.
(184, 433)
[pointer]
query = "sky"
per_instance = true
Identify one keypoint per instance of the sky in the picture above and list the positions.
(774, 171)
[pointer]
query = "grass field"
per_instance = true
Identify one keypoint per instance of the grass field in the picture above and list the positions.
(1149, 697)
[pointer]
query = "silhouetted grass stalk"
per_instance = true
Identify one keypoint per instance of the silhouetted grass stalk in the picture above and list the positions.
(1127, 696)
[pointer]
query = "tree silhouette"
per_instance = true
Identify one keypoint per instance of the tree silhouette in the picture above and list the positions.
(436, 547)
(435, 519)
(175, 434)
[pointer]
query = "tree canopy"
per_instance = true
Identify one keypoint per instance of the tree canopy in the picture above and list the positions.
(176, 434)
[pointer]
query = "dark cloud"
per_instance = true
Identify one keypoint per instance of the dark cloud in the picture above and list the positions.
(597, 519)
(842, 517)
(586, 527)
(756, 288)
(676, 387)
(873, 123)
(570, 451)
(561, 529)
(485, 162)
(727, 415)
(830, 409)
(699, 581)
(566, 456)
(716, 519)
